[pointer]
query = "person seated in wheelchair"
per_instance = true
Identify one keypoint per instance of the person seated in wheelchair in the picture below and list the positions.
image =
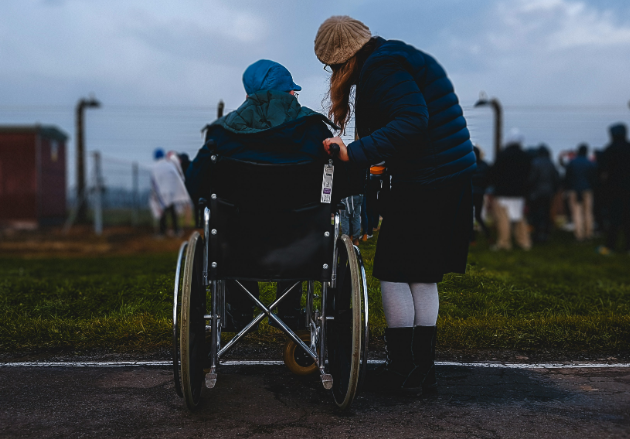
(269, 127)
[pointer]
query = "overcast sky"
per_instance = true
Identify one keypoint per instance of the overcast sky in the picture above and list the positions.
(561, 68)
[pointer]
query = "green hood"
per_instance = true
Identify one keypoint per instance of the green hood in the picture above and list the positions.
(265, 110)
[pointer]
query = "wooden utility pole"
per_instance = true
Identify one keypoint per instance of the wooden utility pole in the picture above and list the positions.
(80, 142)
(98, 194)
(136, 191)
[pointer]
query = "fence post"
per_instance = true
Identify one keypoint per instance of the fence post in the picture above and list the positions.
(98, 191)
(135, 194)
(80, 147)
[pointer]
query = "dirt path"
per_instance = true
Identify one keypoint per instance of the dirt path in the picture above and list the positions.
(268, 401)
(81, 241)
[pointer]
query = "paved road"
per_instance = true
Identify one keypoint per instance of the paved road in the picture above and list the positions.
(268, 401)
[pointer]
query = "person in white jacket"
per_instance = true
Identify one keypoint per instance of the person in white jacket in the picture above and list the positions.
(169, 196)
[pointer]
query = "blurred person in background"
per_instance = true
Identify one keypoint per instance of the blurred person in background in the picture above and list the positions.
(564, 158)
(184, 160)
(351, 217)
(407, 113)
(509, 176)
(600, 196)
(190, 212)
(479, 186)
(168, 192)
(579, 179)
(616, 175)
(543, 183)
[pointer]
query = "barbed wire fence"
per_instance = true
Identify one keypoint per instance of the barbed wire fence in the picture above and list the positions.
(118, 193)
(127, 134)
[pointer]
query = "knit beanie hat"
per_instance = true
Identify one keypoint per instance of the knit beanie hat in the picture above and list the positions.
(339, 38)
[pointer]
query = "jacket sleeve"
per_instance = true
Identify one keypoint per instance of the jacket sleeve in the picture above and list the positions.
(394, 89)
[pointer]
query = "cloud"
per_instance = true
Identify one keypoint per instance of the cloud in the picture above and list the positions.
(193, 53)
(127, 51)
(558, 25)
(543, 51)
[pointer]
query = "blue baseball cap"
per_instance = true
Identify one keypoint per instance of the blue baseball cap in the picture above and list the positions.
(268, 75)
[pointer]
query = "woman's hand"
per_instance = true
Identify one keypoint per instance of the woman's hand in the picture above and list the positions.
(343, 150)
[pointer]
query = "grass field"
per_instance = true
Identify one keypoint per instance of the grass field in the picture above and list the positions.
(559, 296)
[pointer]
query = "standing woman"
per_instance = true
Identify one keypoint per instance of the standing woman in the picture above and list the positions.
(407, 114)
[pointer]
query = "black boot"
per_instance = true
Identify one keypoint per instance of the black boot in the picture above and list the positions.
(399, 364)
(423, 350)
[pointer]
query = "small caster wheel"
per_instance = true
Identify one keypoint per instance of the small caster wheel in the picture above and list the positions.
(298, 361)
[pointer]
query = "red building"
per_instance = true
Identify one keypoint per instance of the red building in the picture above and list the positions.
(32, 176)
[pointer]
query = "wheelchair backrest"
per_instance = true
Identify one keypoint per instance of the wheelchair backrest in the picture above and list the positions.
(269, 220)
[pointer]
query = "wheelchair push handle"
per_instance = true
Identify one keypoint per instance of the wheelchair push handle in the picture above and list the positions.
(334, 150)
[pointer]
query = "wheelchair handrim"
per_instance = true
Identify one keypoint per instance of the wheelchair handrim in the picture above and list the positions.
(342, 398)
(191, 373)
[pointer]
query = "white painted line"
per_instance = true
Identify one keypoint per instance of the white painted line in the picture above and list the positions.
(535, 365)
(280, 363)
(86, 363)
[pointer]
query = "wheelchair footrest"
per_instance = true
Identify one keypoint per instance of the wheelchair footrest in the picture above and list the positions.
(211, 380)
(327, 381)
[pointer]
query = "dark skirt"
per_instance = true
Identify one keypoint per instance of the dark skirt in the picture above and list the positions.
(425, 233)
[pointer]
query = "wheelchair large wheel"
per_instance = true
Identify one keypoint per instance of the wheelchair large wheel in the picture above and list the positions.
(344, 331)
(192, 324)
(177, 306)
(365, 336)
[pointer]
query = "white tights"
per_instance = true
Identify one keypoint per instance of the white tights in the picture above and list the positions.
(407, 305)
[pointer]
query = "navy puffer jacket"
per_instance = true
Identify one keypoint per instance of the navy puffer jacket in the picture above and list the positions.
(407, 113)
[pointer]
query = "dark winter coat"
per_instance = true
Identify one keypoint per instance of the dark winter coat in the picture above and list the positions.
(616, 165)
(407, 113)
(581, 174)
(510, 172)
(544, 179)
(270, 127)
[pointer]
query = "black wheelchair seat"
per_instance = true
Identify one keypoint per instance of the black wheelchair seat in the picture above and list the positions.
(271, 222)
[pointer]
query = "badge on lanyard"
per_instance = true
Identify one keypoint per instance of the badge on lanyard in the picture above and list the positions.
(327, 183)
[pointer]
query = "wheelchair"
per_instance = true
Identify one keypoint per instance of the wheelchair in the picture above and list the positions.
(270, 222)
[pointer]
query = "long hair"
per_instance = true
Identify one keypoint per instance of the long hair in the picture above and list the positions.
(343, 78)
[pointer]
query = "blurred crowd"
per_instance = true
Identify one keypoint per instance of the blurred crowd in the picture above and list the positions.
(524, 194)
(527, 195)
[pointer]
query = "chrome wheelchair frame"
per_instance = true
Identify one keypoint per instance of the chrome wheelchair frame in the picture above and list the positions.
(341, 366)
